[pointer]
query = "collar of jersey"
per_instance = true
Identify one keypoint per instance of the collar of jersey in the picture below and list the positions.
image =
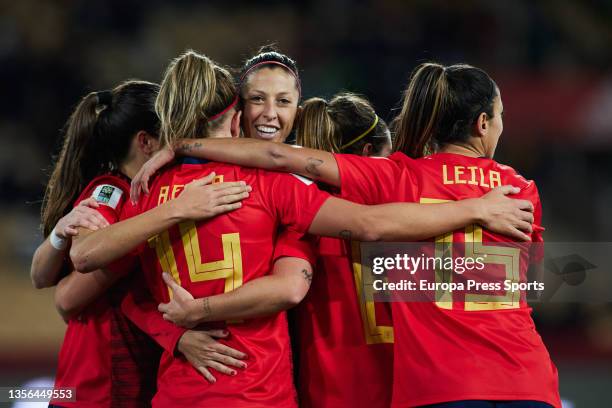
(193, 160)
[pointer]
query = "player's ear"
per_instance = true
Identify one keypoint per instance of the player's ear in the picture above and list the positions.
(235, 125)
(146, 142)
(482, 125)
(367, 150)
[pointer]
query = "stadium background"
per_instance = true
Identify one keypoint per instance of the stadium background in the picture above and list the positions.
(552, 61)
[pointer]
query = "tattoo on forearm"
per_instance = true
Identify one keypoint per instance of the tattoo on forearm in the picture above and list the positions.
(206, 307)
(188, 147)
(345, 234)
(307, 276)
(311, 167)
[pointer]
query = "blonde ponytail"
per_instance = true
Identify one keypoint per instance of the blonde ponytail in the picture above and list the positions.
(316, 128)
(194, 88)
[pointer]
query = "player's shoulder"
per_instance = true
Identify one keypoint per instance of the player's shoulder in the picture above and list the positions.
(400, 158)
(107, 189)
(402, 162)
(395, 159)
(391, 166)
(268, 177)
(115, 179)
(510, 174)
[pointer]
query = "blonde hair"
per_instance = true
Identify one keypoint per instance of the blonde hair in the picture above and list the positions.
(347, 120)
(193, 90)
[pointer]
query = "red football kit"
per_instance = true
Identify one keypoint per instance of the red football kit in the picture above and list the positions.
(108, 361)
(452, 351)
(344, 343)
(217, 256)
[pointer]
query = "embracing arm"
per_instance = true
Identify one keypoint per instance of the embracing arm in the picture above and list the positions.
(414, 222)
(47, 264)
(315, 164)
(197, 201)
(281, 290)
(48, 261)
(77, 290)
(99, 248)
(200, 347)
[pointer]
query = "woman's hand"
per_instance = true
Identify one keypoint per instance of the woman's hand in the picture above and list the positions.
(181, 310)
(83, 215)
(140, 182)
(203, 351)
(201, 200)
(505, 215)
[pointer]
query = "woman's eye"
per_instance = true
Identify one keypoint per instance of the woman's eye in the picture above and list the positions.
(256, 98)
(285, 101)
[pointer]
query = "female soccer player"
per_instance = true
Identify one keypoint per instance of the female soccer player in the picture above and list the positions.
(211, 98)
(270, 92)
(344, 343)
(109, 135)
(275, 200)
(444, 352)
(288, 271)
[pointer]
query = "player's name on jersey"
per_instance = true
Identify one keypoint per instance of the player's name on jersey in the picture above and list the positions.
(165, 194)
(473, 175)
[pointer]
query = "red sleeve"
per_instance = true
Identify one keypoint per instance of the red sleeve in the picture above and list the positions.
(295, 199)
(537, 246)
(110, 192)
(295, 245)
(138, 305)
(130, 210)
(372, 180)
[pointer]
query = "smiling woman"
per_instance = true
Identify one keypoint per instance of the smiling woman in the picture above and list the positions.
(270, 92)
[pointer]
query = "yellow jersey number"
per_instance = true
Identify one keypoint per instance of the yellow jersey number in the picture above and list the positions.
(373, 332)
(509, 257)
(229, 268)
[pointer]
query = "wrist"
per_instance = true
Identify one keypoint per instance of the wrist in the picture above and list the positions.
(171, 151)
(175, 211)
(181, 341)
(58, 242)
(196, 311)
(179, 147)
(476, 210)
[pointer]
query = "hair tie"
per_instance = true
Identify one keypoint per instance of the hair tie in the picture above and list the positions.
(105, 98)
(230, 106)
(361, 136)
(297, 79)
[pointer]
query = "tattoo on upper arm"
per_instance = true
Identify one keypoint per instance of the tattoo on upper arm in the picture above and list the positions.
(307, 276)
(345, 234)
(206, 307)
(311, 167)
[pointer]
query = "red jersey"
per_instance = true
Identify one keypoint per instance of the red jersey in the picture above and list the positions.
(446, 352)
(344, 343)
(217, 256)
(109, 361)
